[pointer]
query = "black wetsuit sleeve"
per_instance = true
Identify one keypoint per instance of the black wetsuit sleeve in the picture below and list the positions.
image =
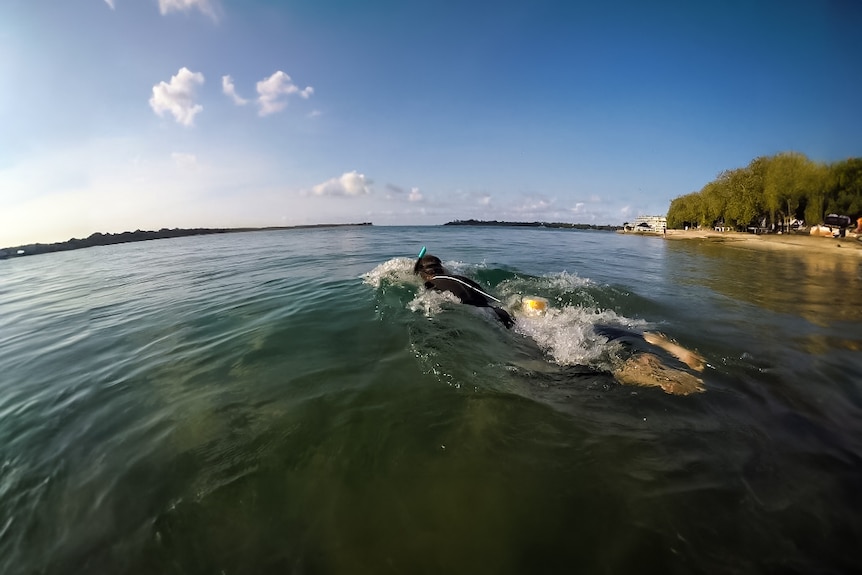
(504, 316)
(464, 293)
(470, 294)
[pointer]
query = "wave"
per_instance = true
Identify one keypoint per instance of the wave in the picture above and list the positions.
(566, 334)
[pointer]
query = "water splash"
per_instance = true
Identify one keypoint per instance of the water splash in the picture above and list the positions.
(394, 271)
(568, 334)
(430, 302)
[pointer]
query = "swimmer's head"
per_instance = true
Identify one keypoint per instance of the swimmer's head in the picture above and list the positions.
(428, 266)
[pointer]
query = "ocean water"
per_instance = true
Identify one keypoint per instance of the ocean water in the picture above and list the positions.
(295, 402)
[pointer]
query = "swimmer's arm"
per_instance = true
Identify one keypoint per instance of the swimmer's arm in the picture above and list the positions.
(504, 317)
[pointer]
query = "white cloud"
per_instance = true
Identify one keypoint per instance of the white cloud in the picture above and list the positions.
(533, 205)
(348, 184)
(110, 3)
(484, 200)
(393, 192)
(205, 6)
(177, 97)
(398, 194)
(230, 90)
(185, 161)
(270, 91)
(120, 184)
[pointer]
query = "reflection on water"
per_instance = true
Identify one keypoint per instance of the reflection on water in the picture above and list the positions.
(820, 288)
(817, 344)
(247, 404)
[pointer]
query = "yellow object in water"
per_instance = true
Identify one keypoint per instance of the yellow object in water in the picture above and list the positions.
(534, 305)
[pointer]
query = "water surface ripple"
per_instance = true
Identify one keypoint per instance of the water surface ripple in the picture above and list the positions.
(293, 401)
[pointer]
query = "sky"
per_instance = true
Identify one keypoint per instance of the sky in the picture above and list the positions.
(119, 115)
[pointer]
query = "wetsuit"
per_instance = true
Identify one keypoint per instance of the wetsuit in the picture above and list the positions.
(469, 292)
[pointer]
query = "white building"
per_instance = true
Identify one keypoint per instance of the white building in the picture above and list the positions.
(650, 224)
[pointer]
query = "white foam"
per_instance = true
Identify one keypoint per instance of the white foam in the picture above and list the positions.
(399, 271)
(565, 281)
(568, 334)
(551, 286)
(431, 302)
(394, 271)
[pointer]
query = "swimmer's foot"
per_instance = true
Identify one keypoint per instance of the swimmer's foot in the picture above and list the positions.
(647, 370)
(692, 359)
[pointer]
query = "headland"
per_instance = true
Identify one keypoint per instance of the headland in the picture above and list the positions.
(99, 239)
(559, 225)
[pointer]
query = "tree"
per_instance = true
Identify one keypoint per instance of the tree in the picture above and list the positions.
(784, 184)
(780, 188)
(846, 196)
(819, 180)
(684, 209)
(746, 186)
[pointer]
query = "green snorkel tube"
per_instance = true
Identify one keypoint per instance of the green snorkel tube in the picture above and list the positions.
(419, 259)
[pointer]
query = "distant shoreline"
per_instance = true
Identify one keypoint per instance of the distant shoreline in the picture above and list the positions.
(99, 239)
(557, 225)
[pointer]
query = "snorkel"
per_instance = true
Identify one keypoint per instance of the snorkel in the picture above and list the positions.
(419, 260)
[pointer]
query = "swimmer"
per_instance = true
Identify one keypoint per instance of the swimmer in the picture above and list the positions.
(645, 368)
(642, 368)
(435, 276)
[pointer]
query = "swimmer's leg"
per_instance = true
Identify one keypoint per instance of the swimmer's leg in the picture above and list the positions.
(646, 369)
(692, 359)
(635, 342)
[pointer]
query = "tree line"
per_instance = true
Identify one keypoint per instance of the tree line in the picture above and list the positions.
(100, 239)
(771, 192)
(564, 225)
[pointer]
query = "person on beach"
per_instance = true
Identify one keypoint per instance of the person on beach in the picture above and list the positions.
(643, 367)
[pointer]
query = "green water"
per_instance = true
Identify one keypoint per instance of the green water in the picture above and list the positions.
(294, 402)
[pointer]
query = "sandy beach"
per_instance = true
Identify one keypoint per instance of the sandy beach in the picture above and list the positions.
(849, 246)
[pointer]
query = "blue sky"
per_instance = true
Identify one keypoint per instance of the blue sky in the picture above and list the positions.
(141, 114)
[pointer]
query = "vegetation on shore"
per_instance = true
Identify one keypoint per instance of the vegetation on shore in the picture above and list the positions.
(773, 190)
(99, 239)
(533, 225)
